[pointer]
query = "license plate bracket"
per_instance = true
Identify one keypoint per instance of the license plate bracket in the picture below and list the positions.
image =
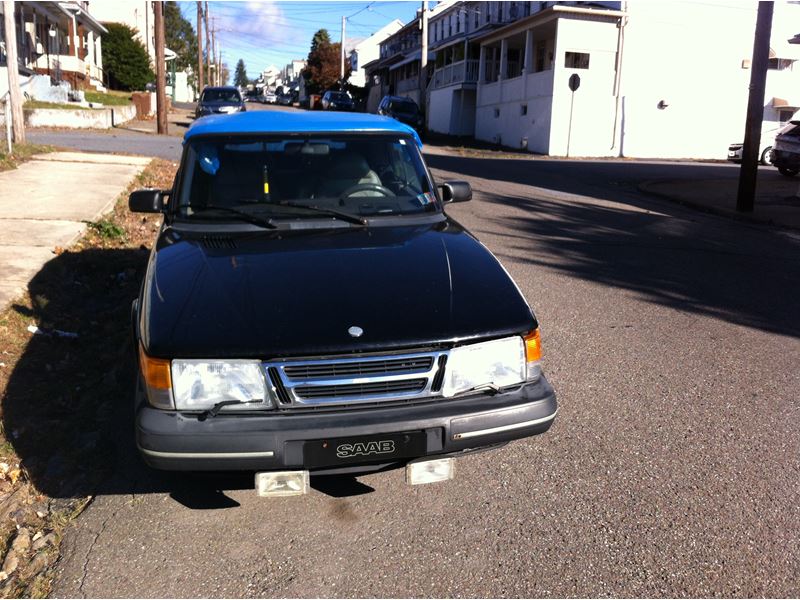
(385, 447)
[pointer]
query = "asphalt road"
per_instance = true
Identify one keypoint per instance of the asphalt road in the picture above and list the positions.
(673, 468)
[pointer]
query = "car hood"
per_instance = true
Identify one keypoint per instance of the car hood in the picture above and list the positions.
(296, 294)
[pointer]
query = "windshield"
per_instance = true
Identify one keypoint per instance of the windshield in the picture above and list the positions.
(403, 106)
(221, 96)
(274, 178)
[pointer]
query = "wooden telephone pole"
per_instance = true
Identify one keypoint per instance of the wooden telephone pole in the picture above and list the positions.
(14, 93)
(200, 74)
(745, 198)
(161, 70)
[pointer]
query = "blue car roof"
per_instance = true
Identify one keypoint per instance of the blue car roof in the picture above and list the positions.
(297, 121)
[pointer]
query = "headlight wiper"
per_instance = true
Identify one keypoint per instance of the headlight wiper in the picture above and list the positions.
(332, 212)
(214, 410)
(245, 216)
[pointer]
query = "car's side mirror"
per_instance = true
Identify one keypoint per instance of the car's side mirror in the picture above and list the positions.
(147, 201)
(456, 191)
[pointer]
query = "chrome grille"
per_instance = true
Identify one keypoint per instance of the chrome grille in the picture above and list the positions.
(420, 364)
(349, 380)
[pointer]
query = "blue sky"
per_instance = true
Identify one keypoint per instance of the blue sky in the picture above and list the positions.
(274, 32)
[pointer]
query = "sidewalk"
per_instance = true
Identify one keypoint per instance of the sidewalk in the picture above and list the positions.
(179, 119)
(44, 203)
(777, 199)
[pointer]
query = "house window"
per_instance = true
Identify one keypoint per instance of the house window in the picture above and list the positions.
(523, 109)
(576, 60)
(476, 18)
(496, 113)
(500, 12)
(486, 8)
(784, 116)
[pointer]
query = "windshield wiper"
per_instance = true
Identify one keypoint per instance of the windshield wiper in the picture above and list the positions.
(331, 212)
(214, 410)
(245, 216)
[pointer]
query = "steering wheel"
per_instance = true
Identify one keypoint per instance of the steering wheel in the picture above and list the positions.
(367, 187)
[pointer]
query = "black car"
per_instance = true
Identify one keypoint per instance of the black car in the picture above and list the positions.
(219, 100)
(309, 307)
(404, 110)
(786, 151)
(333, 100)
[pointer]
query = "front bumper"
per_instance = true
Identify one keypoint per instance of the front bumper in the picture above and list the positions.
(178, 441)
(784, 159)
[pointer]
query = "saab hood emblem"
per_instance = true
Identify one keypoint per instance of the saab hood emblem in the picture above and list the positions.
(355, 331)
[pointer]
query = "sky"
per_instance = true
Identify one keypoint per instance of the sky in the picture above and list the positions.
(271, 32)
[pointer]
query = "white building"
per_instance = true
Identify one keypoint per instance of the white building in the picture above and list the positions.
(271, 76)
(368, 50)
(133, 13)
(58, 48)
(662, 79)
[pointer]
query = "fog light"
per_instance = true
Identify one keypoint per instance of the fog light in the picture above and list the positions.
(430, 471)
(281, 483)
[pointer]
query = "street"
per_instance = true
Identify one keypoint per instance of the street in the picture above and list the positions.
(672, 339)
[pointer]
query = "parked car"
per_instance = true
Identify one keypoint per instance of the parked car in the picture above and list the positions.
(309, 307)
(765, 150)
(270, 97)
(786, 151)
(219, 100)
(335, 100)
(404, 110)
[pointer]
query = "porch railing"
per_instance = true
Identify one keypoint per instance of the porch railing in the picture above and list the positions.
(463, 71)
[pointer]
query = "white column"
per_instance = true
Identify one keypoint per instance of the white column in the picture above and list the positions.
(98, 56)
(528, 51)
(503, 58)
(482, 65)
(90, 49)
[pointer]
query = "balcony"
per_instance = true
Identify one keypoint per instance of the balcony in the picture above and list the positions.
(461, 72)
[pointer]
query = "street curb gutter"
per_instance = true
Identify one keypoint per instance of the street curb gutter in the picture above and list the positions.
(735, 216)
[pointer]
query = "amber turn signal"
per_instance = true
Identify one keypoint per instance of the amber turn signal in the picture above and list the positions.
(155, 371)
(533, 346)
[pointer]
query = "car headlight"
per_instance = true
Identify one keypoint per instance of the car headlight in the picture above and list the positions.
(228, 109)
(498, 363)
(200, 384)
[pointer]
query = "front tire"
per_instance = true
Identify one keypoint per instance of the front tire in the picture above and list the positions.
(766, 156)
(786, 171)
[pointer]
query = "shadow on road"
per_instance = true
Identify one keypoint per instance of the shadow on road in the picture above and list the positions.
(736, 273)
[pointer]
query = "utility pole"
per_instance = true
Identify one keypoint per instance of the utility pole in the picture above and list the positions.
(423, 63)
(200, 74)
(161, 75)
(14, 93)
(745, 198)
(341, 66)
(209, 56)
(214, 53)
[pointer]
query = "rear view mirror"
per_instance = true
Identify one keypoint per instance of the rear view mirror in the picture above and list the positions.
(147, 201)
(456, 191)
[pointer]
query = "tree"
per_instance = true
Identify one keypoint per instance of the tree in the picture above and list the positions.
(125, 59)
(240, 76)
(179, 36)
(323, 65)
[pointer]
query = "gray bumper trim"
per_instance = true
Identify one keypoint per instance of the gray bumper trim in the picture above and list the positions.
(469, 434)
(203, 455)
